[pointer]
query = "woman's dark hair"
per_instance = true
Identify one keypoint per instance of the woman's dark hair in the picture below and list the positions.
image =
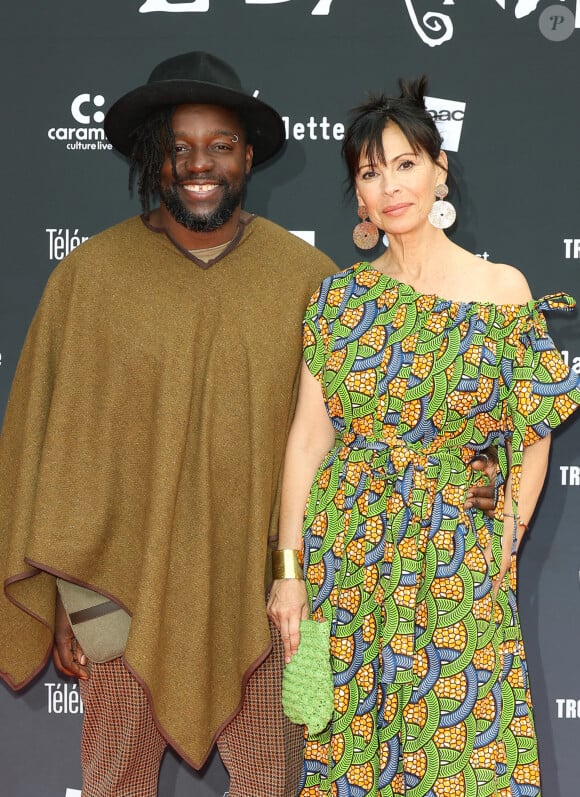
(364, 136)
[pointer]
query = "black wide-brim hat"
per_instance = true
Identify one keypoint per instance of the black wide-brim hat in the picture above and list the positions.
(191, 79)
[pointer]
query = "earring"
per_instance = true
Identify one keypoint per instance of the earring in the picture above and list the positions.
(365, 235)
(442, 214)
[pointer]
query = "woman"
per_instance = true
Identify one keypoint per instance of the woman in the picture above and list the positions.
(412, 364)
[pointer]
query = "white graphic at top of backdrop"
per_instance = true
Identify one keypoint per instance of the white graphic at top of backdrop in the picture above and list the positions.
(321, 8)
(557, 22)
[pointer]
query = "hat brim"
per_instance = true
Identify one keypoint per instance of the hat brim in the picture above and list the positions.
(264, 124)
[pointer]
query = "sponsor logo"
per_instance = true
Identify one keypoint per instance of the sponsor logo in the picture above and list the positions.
(85, 110)
(307, 235)
(448, 116)
(62, 240)
(572, 248)
(82, 103)
(571, 362)
(570, 475)
(315, 129)
(567, 708)
(63, 698)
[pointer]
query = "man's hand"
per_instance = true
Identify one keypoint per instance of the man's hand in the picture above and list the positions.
(483, 496)
(67, 654)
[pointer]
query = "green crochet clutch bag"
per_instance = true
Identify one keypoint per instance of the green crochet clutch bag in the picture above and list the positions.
(307, 688)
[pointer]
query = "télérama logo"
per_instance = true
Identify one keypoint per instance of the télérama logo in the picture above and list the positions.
(557, 22)
(85, 131)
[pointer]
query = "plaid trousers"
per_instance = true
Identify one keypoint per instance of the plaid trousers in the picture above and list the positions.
(122, 748)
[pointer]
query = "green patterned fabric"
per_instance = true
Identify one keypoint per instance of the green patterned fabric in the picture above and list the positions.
(431, 691)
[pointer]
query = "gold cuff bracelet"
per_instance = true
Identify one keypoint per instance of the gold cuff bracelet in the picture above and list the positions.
(285, 564)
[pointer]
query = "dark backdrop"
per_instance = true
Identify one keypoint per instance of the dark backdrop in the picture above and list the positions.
(504, 74)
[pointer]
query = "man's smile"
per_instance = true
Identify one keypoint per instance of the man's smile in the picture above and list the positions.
(196, 188)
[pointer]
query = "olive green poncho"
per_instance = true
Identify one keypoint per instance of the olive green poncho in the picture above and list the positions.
(141, 456)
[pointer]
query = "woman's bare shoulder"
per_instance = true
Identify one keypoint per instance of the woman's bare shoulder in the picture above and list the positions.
(509, 283)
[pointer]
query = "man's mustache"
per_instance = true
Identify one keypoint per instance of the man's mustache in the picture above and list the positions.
(189, 178)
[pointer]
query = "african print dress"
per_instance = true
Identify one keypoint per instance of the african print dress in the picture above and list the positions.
(431, 695)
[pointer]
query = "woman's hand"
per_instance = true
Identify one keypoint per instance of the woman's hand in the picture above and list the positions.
(506, 559)
(507, 545)
(287, 605)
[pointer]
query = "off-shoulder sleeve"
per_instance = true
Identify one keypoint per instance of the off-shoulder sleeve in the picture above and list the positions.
(542, 390)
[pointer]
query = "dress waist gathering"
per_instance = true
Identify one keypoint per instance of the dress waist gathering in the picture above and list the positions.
(395, 451)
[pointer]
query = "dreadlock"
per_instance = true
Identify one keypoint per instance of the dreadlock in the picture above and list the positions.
(152, 139)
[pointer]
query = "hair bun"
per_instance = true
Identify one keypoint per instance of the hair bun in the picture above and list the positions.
(414, 90)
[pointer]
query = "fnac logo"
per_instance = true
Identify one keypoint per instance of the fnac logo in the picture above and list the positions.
(322, 8)
(448, 116)
(83, 109)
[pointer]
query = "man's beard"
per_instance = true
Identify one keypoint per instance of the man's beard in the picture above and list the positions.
(208, 222)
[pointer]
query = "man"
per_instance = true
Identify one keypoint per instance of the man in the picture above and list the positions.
(142, 443)
(142, 447)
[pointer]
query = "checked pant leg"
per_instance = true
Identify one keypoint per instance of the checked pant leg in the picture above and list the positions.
(121, 747)
(261, 748)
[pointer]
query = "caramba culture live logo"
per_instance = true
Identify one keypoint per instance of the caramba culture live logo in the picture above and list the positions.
(556, 22)
(86, 132)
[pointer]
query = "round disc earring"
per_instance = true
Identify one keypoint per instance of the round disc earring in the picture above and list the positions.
(442, 214)
(365, 235)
